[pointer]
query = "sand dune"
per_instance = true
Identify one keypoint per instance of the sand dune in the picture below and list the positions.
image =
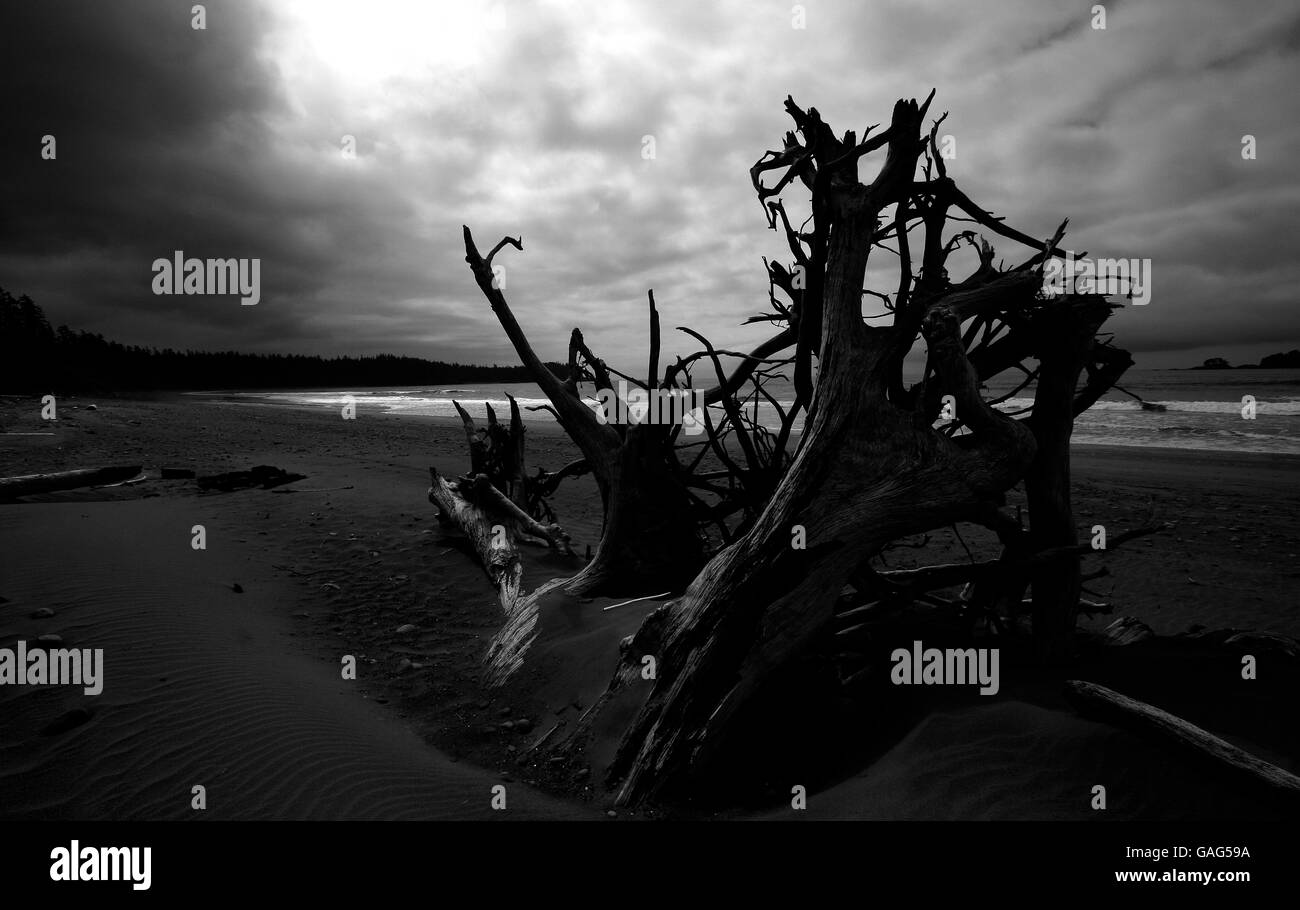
(1010, 760)
(202, 686)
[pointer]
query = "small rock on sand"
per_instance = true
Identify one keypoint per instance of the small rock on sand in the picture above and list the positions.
(43, 613)
(407, 627)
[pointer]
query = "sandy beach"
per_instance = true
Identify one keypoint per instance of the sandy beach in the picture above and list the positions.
(222, 665)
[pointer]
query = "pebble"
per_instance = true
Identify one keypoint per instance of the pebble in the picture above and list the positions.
(408, 627)
(43, 613)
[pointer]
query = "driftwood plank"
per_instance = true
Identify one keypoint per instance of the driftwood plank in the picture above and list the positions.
(1107, 704)
(28, 484)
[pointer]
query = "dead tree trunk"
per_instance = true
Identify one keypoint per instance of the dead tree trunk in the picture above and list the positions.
(870, 467)
(1067, 333)
(643, 499)
(498, 452)
(867, 472)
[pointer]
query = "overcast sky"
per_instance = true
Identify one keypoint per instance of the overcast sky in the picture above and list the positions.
(529, 119)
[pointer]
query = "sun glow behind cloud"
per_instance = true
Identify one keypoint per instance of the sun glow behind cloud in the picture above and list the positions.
(364, 42)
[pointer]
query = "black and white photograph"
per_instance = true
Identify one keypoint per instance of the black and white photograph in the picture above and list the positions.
(660, 414)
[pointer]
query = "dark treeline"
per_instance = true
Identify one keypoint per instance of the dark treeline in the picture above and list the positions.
(37, 358)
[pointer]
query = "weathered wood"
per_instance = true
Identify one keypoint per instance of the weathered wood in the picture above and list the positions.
(479, 509)
(870, 466)
(516, 463)
(867, 472)
(495, 503)
(505, 653)
(476, 442)
(496, 551)
(641, 489)
(1066, 338)
(28, 484)
(1107, 704)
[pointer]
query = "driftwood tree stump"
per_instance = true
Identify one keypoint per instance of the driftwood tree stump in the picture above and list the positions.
(877, 460)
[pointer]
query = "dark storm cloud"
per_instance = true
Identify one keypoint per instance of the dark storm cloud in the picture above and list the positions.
(532, 121)
(166, 139)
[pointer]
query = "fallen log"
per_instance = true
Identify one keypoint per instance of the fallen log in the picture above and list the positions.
(1109, 705)
(496, 551)
(478, 508)
(28, 484)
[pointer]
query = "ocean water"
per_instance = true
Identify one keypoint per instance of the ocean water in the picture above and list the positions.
(1203, 409)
